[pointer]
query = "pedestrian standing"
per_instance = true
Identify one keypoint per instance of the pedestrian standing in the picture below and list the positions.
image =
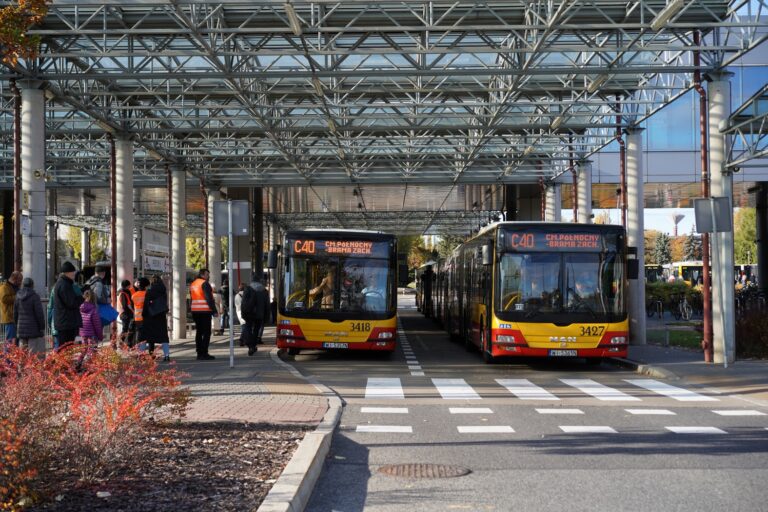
(91, 331)
(125, 309)
(203, 310)
(98, 286)
(139, 300)
(155, 327)
(255, 313)
(239, 312)
(29, 318)
(66, 305)
(7, 298)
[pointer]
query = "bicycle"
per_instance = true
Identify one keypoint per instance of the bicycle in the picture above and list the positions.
(655, 306)
(683, 309)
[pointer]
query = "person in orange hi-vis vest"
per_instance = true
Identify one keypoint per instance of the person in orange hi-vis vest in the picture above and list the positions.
(203, 310)
(125, 310)
(138, 307)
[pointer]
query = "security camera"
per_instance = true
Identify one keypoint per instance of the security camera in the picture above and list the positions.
(736, 169)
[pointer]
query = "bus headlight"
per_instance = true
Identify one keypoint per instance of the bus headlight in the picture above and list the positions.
(386, 335)
(286, 332)
(505, 338)
(619, 340)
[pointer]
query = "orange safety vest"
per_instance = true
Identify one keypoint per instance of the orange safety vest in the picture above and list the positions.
(199, 304)
(128, 294)
(138, 304)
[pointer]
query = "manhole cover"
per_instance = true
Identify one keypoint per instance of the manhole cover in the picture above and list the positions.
(423, 470)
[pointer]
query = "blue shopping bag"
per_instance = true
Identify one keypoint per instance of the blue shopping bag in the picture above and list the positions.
(107, 313)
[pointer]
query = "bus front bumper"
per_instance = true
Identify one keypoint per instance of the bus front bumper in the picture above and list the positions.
(388, 345)
(510, 350)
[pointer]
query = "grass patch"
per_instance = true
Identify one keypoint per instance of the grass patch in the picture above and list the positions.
(688, 339)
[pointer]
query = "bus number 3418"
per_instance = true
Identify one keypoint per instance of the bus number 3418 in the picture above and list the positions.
(592, 330)
(361, 326)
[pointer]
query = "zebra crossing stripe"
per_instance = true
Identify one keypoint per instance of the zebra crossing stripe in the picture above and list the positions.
(559, 411)
(384, 410)
(739, 413)
(455, 389)
(695, 430)
(384, 388)
(417, 374)
(598, 390)
(680, 394)
(526, 390)
(396, 429)
(470, 410)
(650, 412)
(414, 367)
(585, 429)
(486, 429)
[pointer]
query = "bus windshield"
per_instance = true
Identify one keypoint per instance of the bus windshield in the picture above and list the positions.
(560, 287)
(338, 284)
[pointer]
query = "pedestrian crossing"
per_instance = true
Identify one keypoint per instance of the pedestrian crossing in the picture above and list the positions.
(450, 390)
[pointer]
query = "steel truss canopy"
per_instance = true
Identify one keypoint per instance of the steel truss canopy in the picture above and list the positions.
(322, 94)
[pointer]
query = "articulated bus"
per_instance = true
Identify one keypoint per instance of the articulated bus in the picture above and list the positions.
(337, 289)
(540, 290)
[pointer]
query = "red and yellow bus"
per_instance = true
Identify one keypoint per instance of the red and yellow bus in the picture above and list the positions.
(540, 290)
(337, 289)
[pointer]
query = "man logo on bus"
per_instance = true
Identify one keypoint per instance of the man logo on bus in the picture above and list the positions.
(563, 339)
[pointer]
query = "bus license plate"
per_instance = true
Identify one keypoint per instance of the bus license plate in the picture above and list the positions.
(335, 345)
(562, 353)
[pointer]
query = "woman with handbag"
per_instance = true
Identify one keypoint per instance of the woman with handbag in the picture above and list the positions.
(155, 327)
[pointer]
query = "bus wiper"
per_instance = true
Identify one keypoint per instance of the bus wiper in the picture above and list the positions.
(579, 303)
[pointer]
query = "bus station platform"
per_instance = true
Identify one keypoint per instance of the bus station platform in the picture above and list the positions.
(264, 389)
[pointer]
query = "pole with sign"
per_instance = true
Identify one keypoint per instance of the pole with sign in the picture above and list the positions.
(231, 218)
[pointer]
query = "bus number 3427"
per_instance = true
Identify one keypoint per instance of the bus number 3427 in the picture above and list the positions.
(592, 330)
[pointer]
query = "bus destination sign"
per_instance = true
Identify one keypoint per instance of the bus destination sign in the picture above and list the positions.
(338, 248)
(521, 241)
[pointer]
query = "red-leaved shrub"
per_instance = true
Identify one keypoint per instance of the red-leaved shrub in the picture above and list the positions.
(77, 409)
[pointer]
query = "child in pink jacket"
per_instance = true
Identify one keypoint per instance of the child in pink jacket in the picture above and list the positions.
(92, 331)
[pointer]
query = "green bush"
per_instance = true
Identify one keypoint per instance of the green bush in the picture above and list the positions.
(668, 292)
(752, 335)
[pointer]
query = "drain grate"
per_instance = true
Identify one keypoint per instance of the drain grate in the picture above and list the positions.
(423, 470)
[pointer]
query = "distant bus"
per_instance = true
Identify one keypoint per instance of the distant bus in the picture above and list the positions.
(357, 307)
(514, 290)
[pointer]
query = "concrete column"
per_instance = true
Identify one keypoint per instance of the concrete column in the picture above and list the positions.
(124, 209)
(554, 203)
(635, 238)
(179, 254)
(258, 232)
(214, 252)
(584, 192)
(33, 183)
(7, 196)
(85, 234)
(51, 273)
(723, 322)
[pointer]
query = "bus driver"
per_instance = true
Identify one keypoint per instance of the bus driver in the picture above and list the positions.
(326, 287)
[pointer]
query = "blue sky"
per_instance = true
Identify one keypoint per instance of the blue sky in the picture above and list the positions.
(659, 219)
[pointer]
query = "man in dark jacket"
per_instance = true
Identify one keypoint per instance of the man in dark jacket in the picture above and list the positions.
(255, 313)
(66, 305)
(29, 318)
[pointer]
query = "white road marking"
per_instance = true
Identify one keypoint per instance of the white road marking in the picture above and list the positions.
(489, 429)
(384, 428)
(599, 391)
(651, 412)
(559, 411)
(455, 389)
(470, 410)
(526, 390)
(384, 388)
(384, 410)
(680, 394)
(695, 430)
(739, 413)
(417, 374)
(414, 367)
(585, 429)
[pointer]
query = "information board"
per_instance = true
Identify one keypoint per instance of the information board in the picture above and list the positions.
(537, 240)
(353, 248)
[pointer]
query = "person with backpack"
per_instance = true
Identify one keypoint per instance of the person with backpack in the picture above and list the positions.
(98, 286)
(29, 318)
(91, 331)
(255, 313)
(66, 305)
(155, 327)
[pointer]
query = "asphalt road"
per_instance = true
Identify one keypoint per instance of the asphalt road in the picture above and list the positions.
(538, 436)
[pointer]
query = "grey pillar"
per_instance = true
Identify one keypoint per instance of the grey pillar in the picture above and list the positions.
(762, 232)
(554, 203)
(214, 252)
(33, 183)
(635, 238)
(584, 193)
(85, 234)
(124, 209)
(258, 232)
(723, 325)
(50, 276)
(179, 254)
(7, 196)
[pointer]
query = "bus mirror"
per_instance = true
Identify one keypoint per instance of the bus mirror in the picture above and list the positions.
(487, 254)
(633, 269)
(272, 259)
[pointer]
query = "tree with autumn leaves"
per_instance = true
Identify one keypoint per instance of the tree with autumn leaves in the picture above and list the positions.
(15, 21)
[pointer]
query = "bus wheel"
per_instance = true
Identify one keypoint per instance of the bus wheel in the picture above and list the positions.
(486, 349)
(293, 351)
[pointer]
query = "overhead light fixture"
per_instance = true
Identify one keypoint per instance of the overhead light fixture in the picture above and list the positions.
(104, 126)
(155, 154)
(666, 14)
(318, 85)
(293, 20)
(529, 150)
(597, 83)
(557, 122)
(49, 94)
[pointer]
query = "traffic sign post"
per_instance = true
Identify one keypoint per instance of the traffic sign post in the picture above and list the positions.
(231, 218)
